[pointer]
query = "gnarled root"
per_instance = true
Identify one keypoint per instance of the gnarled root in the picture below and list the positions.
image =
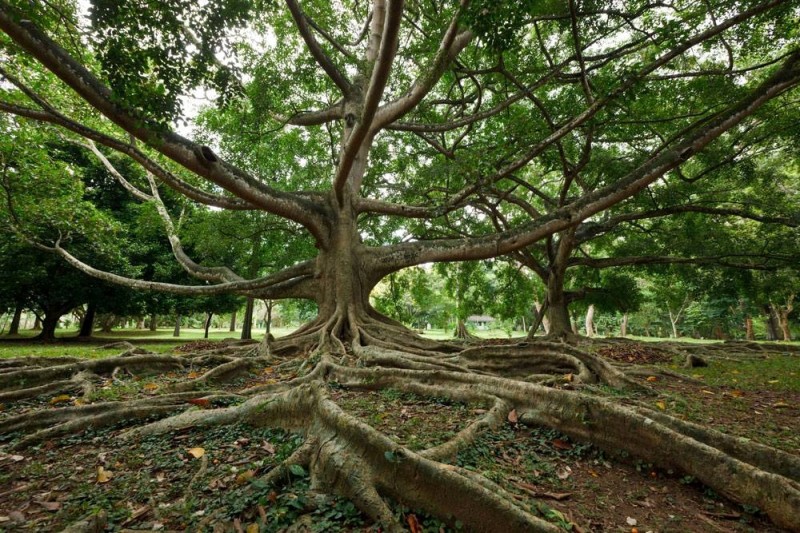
(346, 456)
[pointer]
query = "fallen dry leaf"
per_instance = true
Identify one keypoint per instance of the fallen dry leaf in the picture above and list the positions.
(252, 528)
(568, 378)
(61, 398)
(267, 447)
(50, 506)
(561, 444)
(564, 473)
(197, 453)
(413, 523)
(193, 375)
(652, 379)
(780, 405)
(661, 405)
(150, 386)
(103, 475)
(512, 416)
(244, 477)
(204, 403)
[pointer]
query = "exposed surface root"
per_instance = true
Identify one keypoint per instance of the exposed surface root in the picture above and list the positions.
(346, 456)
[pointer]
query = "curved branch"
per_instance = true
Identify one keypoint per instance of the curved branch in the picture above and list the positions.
(377, 83)
(198, 159)
(300, 272)
(695, 139)
(220, 274)
(592, 229)
(607, 262)
(131, 151)
(316, 50)
(451, 45)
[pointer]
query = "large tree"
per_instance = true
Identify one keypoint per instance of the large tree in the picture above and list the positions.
(365, 124)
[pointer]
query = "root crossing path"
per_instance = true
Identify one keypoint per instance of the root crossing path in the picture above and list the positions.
(536, 382)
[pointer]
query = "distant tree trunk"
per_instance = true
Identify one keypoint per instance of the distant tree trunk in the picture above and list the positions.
(461, 330)
(177, 331)
(590, 331)
(153, 322)
(782, 313)
(207, 324)
(623, 327)
(247, 323)
(749, 334)
(107, 323)
(233, 321)
(140, 322)
(37, 324)
(49, 325)
(15, 320)
(268, 317)
(87, 324)
(772, 323)
(574, 326)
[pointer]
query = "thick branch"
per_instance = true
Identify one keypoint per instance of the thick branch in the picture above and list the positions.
(451, 45)
(408, 254)
(198, 159)
(316, 50)
(377, 84)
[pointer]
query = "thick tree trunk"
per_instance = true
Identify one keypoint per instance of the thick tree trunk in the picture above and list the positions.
(247, 323)
(771, 323)
(233, 322)
(623, 326)
(153, 322)
(15, 320)
(49, 325)
(557, 310)
(207, 324)
(540, 318)
(107, 323)
(461, 330)
(590, 331)
(749, 334)
(268, 318)
(177, 331)
(87, 324)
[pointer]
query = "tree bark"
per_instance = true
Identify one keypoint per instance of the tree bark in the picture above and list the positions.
(782, 312)
(247, 323)
(15, 320)
(153, 322)
(207, 324)
(37, 324)
(557, 310)
(590, 331)
(233, 321)
(749, 334)
(49, 325)
(177, 331)
(140, 322)
(771, 323)
(87, 324)
(461, 330)
(268, 318)
(623, 327)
